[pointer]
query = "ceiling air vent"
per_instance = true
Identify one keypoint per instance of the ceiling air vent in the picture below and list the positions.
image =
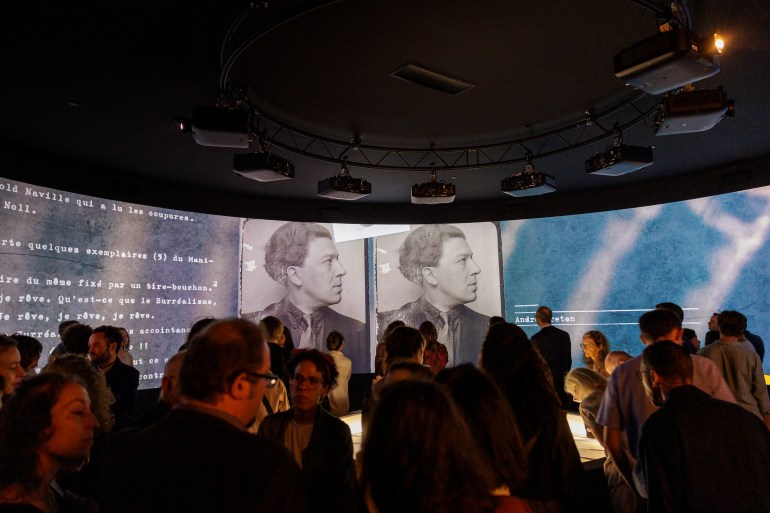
(417, 74)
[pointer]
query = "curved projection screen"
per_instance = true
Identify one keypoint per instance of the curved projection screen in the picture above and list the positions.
(155, 271)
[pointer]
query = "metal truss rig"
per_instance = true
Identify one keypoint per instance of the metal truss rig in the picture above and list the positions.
(260, 18)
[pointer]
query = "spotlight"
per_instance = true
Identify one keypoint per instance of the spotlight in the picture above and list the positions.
(184, 124)
(693, 111)
(433, 192)
(619, 159)
(220, 127)
(263, 166)
(343, 186)
(719, 43)
(666, 61)
(528, 182)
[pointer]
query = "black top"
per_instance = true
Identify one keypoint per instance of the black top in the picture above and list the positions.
(556, 349)
(123, 380)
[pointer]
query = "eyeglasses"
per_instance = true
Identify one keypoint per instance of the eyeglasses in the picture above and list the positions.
(270, 379)
(312, 381)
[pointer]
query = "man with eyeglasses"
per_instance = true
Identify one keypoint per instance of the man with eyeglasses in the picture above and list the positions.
(200, 456)
(625, 407)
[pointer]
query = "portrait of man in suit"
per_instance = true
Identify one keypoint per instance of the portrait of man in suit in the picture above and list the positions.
(303, 260)
(439, 260)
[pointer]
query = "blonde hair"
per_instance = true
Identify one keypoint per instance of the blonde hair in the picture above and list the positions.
(581, 381)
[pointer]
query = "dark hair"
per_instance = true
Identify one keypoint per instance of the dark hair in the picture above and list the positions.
(389, 329)
(24, 419)
(112, 334)
(288, 247)
(334, 341)
(603, 343)
(418, 454)
(6, 343)
(64, 325)
(491, 421)
(510, 359)
(672, 307)
(75, 338)
(403, 342)
(544, 313)
(30, 349)
(323, 364)
(423, 248)
(101, 395)
(659, 323)
(196, 328)
(495, 319)
(668, 359)
(732, 323)
(416, 370)
(216, 356)
(429, 332)
(289, 344)
(273, 326)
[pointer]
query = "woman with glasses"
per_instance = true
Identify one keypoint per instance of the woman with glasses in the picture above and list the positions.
(596, 347)
(320, 443)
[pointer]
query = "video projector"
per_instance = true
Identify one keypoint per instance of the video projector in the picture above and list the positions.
(693, 111)
(263, 167)
(528, 184)
(342, 187)
(433, 193)
(619, 160)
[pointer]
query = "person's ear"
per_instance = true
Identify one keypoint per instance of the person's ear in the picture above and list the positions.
(654, 378)
(166, 384)
(240, 388)
(429, 276)
(292, 275)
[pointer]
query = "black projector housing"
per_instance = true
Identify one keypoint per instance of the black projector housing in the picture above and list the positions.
(263, 167)
(343, 187)
(433, 193)
(692, 111)
(665, 61)
(619, 160)
(220, 127)
(528, 184)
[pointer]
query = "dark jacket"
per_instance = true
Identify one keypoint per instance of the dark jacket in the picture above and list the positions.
(555, 347)
(327, 462)
(123, 380)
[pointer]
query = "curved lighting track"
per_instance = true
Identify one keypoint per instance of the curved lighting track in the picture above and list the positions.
(259, 19)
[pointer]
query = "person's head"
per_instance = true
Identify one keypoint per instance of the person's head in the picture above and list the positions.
(46, 428)
(313, 374)
(731, 323)
(273, 328)
(490, 419)
(95, 383)
(404, 344)
(665, 365)
(125, 339)
(595, 346)
(30, 349)
(103, 345)
(226, 367)
(614, 359)
(10, 364)
(76, 337)
(170, 392)
(389, 329)
(660, 324)
(580, 382)
(64, 325)
(510, 359)
(543, 316)
(196, 328)
(303, 258)
(406, 370)
(713, 324)
(418, 454)
(495, 319)
(429, 332)
(335, 341)
(438, 258)
(673, 307)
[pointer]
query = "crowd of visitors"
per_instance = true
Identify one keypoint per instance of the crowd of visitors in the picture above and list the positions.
(246, 422)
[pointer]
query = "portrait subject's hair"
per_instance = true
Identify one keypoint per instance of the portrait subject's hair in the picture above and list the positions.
(732, 323)
(216, 356)
(423, 247)
(288, 247)
(668, 359)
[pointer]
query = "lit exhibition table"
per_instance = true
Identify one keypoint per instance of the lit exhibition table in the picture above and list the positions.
(591, 452)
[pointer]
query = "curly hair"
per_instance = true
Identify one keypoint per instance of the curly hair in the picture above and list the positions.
(423, 247)
(418, 454)
(288, 247)
(510, 359)
(323, 363)
(101, 395)
(24, 420)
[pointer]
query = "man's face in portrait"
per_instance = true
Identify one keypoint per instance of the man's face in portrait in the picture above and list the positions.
(455, 274)
(320, 277)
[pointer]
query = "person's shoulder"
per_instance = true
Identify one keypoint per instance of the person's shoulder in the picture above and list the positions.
(470, 314)
(341, 321)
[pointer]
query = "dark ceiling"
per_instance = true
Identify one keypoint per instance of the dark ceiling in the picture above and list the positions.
(90, 94)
